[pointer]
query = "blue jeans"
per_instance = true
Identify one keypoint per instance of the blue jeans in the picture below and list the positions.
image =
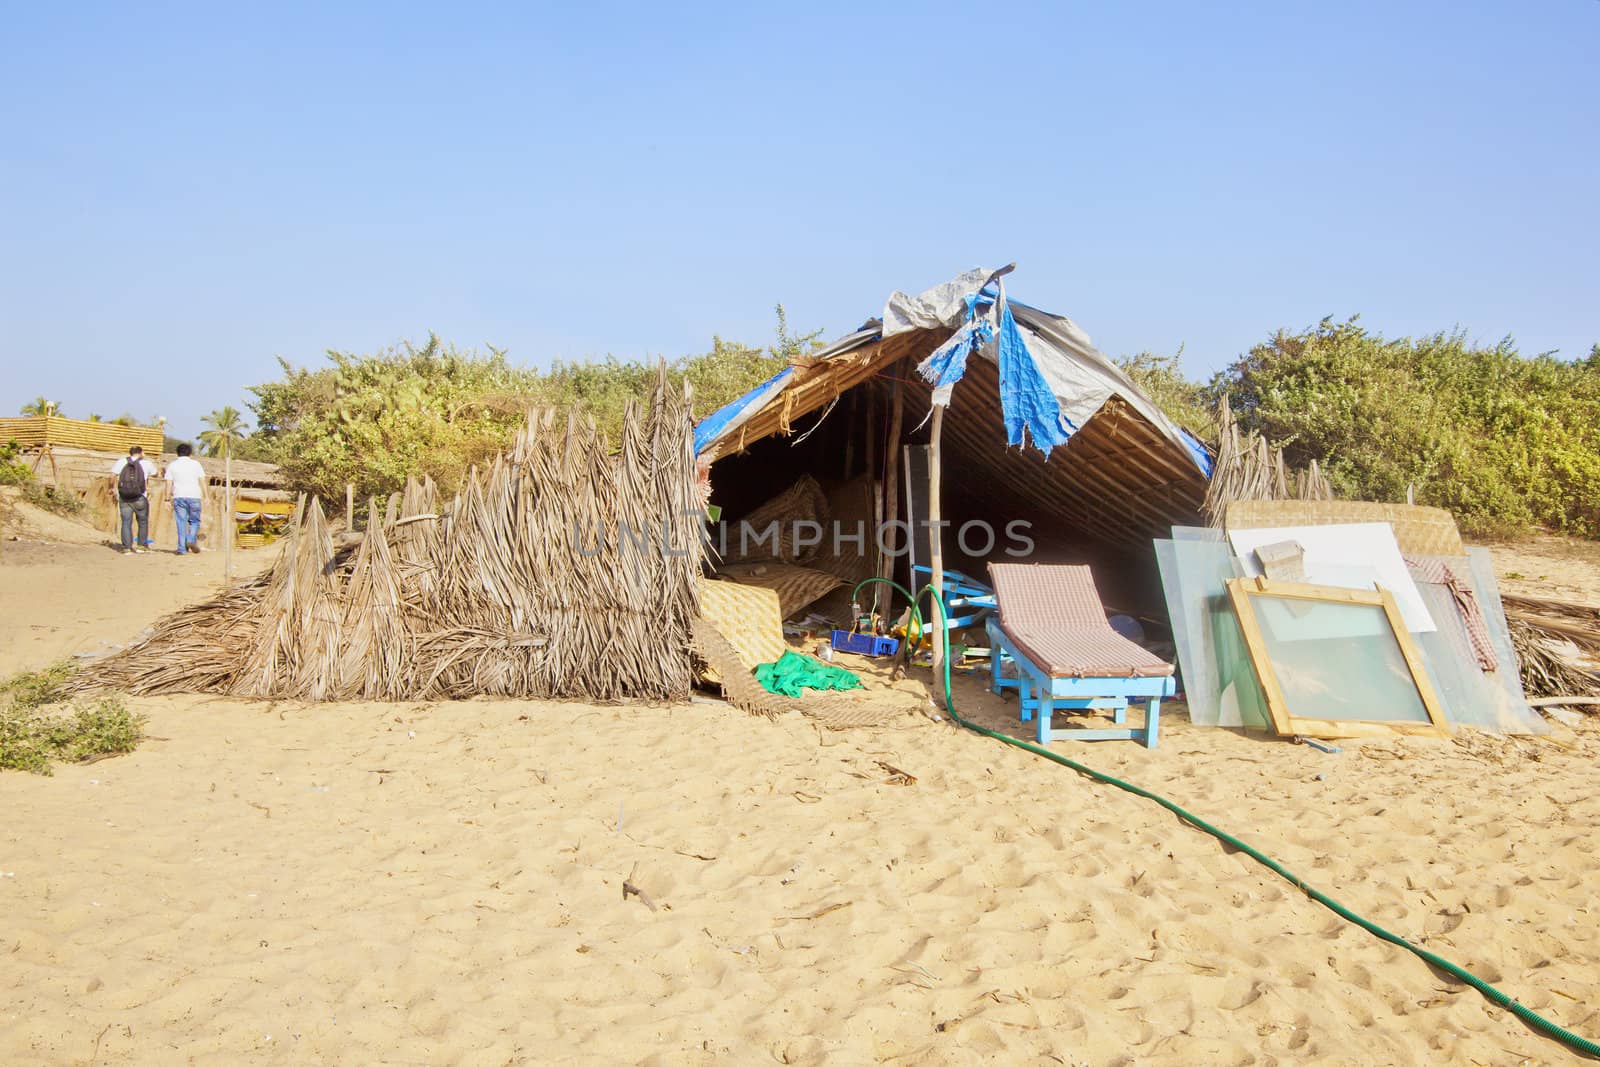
(186, 512)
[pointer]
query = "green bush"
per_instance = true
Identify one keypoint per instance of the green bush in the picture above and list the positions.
(33, 736)
(13, 471)
(35, 689)
(373, 420)
(51, 499)
(1502, 440)
(1189, 404)
(434, 410)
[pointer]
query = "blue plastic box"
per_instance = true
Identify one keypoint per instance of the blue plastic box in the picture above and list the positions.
(865, 644)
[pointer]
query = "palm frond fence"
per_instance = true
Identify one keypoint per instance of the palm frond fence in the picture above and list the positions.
(565, 569)
(1247, 467)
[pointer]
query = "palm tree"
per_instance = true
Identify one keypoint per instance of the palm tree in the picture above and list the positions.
(223, 428)
(39, 406)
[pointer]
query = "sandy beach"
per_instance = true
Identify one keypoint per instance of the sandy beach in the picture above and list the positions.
(444, 883)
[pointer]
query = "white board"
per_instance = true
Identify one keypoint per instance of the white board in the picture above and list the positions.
(1344, 556)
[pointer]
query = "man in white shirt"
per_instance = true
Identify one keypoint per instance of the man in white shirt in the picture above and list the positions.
(188, 480)
(129, 474)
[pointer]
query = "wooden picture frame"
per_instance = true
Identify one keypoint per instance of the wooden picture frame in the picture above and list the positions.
(1284, 719)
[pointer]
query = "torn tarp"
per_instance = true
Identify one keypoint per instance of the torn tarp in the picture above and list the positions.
(730, 415)
(1027, 401)
(948, 363)
(1057, 358)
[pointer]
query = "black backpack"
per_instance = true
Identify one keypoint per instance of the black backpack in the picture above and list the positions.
(130, 480)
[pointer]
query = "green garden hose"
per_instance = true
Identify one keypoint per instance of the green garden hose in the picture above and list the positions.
(1527, 1015)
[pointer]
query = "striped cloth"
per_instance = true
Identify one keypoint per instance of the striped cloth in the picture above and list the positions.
(1437, 570)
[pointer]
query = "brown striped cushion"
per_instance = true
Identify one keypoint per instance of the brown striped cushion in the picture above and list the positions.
(1053, 614)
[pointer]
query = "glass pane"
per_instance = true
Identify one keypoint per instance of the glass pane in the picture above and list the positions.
(1242, 701)
(1219, 684)
(1195, 669)
(1196, 533)
(1509, 676)
(1337, 661)
(1468, 696)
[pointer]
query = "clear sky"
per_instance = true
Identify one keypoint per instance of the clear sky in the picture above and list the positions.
(187, 192)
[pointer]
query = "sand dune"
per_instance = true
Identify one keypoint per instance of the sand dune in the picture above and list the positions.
(444, 884)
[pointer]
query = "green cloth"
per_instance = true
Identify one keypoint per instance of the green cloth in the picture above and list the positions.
(794, 672)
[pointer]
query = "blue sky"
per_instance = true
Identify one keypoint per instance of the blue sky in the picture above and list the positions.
(190, 191)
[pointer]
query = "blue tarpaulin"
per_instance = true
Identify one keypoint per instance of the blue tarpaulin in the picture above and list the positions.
(1052, 380)
(948, 363)
(711, 427)
(1026, 400)
(1202, 458)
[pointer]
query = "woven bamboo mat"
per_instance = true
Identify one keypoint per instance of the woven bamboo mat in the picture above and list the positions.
(747, 618)
(796, 586)
(834, 711)
(1420, 531)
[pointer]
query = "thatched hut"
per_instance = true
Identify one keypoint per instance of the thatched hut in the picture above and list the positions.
(1040, 428)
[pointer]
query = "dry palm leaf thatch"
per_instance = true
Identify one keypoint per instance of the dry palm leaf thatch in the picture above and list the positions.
(560, 570)
(377, 645)
(1551, 664)
(1557, 643)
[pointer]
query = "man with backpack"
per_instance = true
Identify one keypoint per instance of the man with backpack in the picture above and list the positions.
(131, 474)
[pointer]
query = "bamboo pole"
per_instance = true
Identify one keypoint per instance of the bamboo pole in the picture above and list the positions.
(349, 507)
(891, 489)
(871, 448)
(941, 634)
(227, 515)
(848, 423)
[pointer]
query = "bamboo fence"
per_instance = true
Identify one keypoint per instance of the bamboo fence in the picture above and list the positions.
(564, 569)
(39, 430)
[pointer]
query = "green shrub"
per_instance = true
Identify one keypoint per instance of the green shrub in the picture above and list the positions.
(1502, 440)
(36, 732)
(35, 689)
(51, 499)
(1189, 404)
(12, 471)
(434, 410)
(16, 473)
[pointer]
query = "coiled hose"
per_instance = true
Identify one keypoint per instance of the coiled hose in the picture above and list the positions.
(1526, 1014)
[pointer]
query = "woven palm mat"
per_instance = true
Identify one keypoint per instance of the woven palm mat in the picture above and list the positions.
(747, 616)
(804, 501)
(1419, 530)
(797, 587)
(834, 710)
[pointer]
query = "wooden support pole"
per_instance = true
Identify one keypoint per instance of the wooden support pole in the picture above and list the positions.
(227, 516)
(871, 420)
(891, 491)
(941, 635)
(849, 423)
(349, 507)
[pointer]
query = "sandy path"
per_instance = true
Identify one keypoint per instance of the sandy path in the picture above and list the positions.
(1556, 568)
(57, 599)
(442, 884)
